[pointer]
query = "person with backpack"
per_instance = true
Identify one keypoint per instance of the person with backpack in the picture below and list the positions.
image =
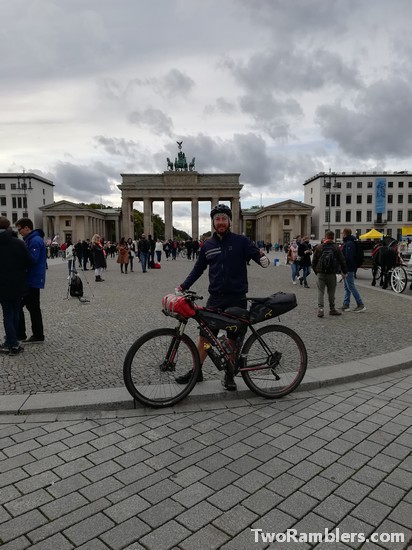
(328, 260)
(353, 253)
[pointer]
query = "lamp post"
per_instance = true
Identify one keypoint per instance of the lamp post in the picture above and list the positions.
(327, 184)
(24, 184)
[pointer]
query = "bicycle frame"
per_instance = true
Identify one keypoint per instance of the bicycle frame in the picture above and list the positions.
(215, 342)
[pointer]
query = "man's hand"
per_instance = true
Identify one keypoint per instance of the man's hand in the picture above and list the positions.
(264, 261)
(179, 291)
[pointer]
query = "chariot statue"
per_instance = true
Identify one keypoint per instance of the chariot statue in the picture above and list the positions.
(180, 163)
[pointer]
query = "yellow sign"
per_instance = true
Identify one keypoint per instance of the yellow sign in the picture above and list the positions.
(407, 231)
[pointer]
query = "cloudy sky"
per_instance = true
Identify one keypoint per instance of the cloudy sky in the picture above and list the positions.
(277, 90)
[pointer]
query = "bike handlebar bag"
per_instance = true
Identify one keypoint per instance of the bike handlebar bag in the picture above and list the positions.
(264, 309)
(177, 307)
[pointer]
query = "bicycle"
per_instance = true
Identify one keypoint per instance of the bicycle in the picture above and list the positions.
(272, 361)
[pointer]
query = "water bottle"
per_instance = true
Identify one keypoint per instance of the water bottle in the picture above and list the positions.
(215, 356)
(224, 341)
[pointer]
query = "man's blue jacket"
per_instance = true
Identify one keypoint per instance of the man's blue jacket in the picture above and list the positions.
(37, 249)
(226, 259)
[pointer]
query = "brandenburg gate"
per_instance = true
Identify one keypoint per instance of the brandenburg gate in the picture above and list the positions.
(181, 182)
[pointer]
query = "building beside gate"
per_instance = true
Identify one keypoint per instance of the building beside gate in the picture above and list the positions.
(360, 200)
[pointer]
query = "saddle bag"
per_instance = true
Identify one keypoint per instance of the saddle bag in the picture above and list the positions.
(264, 309)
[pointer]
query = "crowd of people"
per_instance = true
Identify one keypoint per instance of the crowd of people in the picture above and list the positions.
(330, 262)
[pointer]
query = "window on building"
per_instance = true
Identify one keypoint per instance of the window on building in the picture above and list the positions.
(348, 216)
(25, 214)
(359, 216)
(44, 192)
(68, 223)
(348, 185)
(390, 199)
(400, 215)
(389, 232)
(409, 215)
(19, 202)
(409, 184)
(348, 199)
(25, 202)
(370, 184)
(3, 201)
(337, 200)
(358, 199)
(359, 185)
(369, 199)
(337, 216)
(327, 216)
(390, 183)
(311, 190)
(14, 217)
(338, 185)
(4, 214)
(400, 199)
(13, 186)
(389, 216)
(285, 222)
(337, 234)
(14, 202)
(44, 202)
(3, 186)
(369, 215)
(400, 184)
(410, 199)
(327, 199)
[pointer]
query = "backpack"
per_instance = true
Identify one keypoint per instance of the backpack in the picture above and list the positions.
(327, 260)
(360, 255)
(76, 287)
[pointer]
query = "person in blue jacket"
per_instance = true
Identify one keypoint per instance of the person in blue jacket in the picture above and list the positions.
(36, 280)
(226, 254)
(349, 252)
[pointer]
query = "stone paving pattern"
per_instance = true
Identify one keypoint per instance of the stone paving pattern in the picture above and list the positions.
(86, 343)
(201, 476)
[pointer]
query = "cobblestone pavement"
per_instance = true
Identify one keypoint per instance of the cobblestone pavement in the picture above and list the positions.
(86, 342)
(205, 476)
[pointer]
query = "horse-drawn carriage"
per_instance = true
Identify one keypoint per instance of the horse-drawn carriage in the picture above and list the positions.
(387, 264)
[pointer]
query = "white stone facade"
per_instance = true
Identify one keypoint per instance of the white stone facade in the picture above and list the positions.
(22, 195)
(353, 202)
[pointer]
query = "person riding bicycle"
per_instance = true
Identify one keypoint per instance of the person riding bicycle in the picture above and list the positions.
(226, 254)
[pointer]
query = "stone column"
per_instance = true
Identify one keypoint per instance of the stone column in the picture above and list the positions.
(280, 228)
(195, 218)
(57, 227)
(297, 227)
(308, 229)
(168, 210)
(127, 224)
(235, 214)
(213, 202)
(147, 216)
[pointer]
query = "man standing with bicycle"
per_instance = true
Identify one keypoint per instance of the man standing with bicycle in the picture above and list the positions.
(226, 254)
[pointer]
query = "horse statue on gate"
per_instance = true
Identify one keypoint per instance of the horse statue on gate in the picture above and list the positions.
(169, 164)
(180, 161)
(385, 256)
(192, 164)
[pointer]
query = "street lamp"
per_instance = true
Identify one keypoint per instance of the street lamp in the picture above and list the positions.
(24, 184)
(327, 184)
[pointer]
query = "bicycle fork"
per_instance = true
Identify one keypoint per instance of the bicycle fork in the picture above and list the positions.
(169, 363)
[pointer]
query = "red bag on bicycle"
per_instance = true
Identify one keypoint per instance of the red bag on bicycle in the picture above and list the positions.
(177, 306)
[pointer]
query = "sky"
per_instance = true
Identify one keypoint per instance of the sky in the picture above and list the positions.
(276, 90)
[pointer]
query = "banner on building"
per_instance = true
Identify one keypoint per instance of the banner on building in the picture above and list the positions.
(380, 197)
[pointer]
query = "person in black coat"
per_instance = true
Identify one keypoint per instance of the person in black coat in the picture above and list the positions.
(99, 257)
(15, 260)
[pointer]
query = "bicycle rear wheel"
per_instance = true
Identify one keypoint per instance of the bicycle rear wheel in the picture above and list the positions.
(154, 361)
(280, 370)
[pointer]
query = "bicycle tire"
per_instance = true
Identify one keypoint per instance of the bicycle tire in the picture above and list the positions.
(183, 253)
(143, 373)
(291, 367)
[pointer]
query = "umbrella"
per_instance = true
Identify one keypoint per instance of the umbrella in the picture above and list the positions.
(372, 234)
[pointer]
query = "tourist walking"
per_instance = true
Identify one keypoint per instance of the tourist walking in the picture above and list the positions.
(123, 255)
(349, 253)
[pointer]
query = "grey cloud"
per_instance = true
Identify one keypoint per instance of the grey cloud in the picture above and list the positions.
(271, 115)
(86, 183)
(288, 70)
(221, 105)
(375, 127)
(154, 119)
(117, 146)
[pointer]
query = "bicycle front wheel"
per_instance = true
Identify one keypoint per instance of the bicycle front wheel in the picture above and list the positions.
(153, 363)
(277, 367)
